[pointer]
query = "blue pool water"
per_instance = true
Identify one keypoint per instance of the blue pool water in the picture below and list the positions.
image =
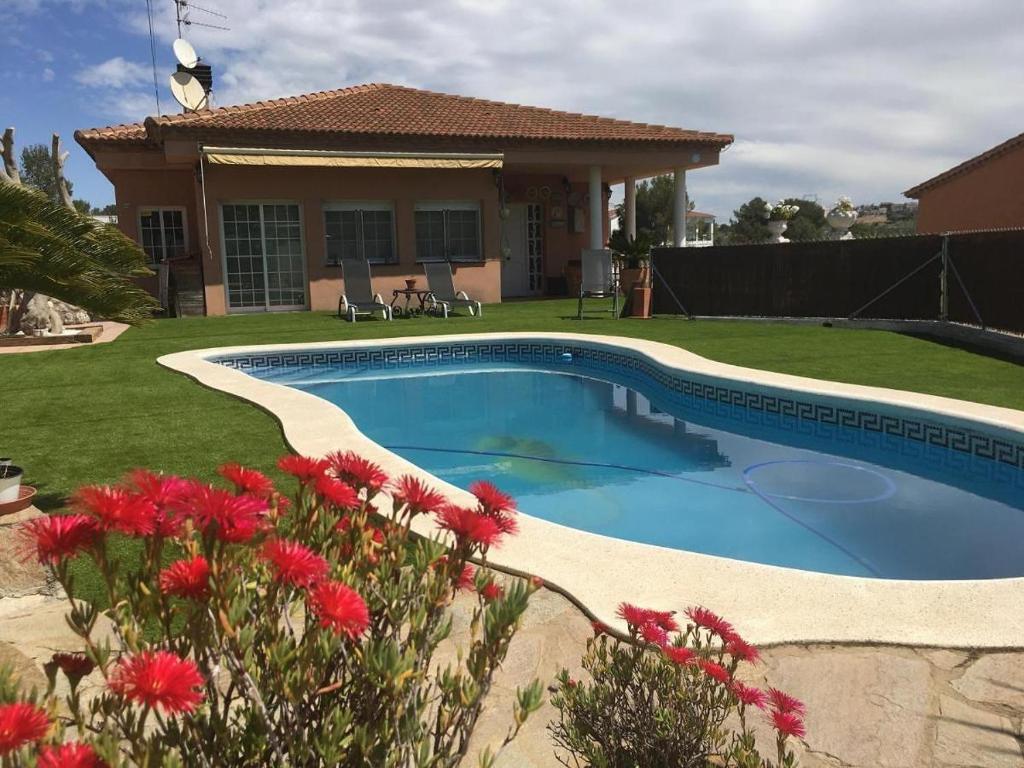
(631, 462)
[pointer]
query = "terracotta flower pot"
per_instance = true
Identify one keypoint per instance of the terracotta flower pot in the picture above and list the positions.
(410, 283)
(633, 276)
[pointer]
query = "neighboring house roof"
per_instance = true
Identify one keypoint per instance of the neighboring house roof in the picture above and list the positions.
(699, 215)
(966, 165)
(380, 109)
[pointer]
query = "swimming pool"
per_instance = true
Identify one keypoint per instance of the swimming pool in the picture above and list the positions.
(607, 441)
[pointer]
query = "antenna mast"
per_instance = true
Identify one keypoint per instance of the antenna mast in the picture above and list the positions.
(183, 13)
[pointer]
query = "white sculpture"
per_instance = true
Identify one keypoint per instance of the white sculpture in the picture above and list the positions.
(841, 217)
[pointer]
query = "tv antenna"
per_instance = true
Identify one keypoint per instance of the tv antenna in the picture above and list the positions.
(192, 82)
(183, 12)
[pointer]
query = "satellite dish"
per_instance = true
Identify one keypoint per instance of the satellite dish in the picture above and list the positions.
(185, 53)
(188, 91)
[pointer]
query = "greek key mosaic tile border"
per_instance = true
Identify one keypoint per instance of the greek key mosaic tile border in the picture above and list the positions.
(704, 395)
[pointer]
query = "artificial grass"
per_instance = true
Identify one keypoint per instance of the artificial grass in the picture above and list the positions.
(89, 415)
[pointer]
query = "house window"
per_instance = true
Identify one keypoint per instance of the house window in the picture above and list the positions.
(448, 231)
(162, 231)
(360, 231)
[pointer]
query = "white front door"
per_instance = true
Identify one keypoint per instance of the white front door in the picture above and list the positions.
(522, 268)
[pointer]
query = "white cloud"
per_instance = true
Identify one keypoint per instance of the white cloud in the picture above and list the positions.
(48, 75)
(824, 97)
(114, 73)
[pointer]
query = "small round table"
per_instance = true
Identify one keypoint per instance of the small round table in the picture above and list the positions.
(420, 294)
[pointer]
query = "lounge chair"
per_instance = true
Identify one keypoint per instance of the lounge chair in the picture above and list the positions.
(442, 294)
(598, 280)
(359, 298)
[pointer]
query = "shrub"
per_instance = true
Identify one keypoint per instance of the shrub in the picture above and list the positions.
(264, 629)
(662, 698)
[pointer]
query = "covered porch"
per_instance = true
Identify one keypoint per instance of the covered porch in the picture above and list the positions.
(553, 205)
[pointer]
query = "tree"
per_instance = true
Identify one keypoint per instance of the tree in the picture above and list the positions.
(654, 200)
(82, 206)
(37, 170)
(48, 248)
(747, 225)
(107, 210)
(809, 222)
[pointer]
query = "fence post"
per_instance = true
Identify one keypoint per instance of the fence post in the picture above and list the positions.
(944, 281)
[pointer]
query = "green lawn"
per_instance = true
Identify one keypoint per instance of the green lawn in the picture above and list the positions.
(89, 415)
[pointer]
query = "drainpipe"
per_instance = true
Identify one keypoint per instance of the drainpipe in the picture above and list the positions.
(630, 208)
(598, 210)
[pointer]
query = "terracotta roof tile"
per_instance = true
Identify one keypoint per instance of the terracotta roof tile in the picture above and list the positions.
(391, 110)
(966, 165)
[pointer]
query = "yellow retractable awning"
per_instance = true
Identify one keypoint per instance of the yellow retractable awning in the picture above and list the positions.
(325, 159)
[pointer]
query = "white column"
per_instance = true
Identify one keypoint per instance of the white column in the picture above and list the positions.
(711, 231)
(631, 207)
(679, 205)
(598, 208)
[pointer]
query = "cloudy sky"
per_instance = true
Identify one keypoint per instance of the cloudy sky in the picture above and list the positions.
(825, 98)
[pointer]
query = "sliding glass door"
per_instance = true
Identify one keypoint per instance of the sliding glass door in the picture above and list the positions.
(264, 258)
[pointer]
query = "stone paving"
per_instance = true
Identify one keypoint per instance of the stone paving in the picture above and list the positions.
(868, 706)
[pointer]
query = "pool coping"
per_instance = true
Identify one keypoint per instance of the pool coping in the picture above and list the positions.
(768, 604)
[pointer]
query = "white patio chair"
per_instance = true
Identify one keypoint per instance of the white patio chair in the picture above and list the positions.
(599, 280)
(359, 298)
(442, 294)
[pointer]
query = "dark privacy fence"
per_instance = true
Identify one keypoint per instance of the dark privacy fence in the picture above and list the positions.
(838, 278)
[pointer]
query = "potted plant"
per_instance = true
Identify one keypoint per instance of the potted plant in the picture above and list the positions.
(633, 257)
(778, 217)
(10, 482)
(841, 217)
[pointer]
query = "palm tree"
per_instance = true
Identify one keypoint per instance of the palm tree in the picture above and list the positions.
(48, 248)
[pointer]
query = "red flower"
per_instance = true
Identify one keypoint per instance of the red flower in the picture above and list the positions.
(416, 495)
(357, 471)
(336, 492)
(492, 591)
(165, 493)
(714, 670)
(161, 490)
(246, 480)
(58, 536)
(340, 608)
(679, 655)
(783, 702)
(740, 649)
(117, 509)
(491, 499)
(466, 579)
(702, 617)
(187, 578)
(633, 615)
(21, 723)
(304, 468)
(599, 627)
(295, 563)
(232, 518)
(73, 664)
(470, 526)
(159, 679)
(654, 634)
(640, 617)
(536, 582)
(749, 696)
(71, 755)
(665, 620)
(788, 724)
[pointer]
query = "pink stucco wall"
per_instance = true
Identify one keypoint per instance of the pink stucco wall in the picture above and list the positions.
(988, 196)
(310, 188)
